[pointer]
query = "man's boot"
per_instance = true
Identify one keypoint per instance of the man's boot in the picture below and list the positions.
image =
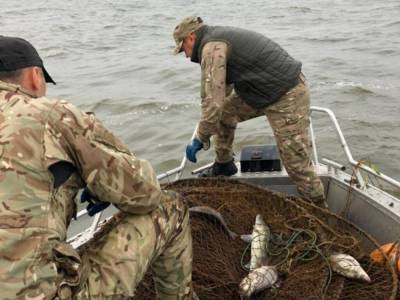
(220, 169)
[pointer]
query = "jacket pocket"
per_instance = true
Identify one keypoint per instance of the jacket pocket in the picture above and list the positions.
(73, 268)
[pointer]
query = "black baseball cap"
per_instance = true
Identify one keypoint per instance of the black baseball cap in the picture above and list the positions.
(17, 53)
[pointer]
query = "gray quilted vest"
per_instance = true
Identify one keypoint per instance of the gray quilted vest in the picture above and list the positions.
(259, 68)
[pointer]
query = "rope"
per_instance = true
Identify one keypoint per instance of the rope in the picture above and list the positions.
(286, 246)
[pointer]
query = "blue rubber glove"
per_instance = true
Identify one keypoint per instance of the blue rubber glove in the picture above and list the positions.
(192, 149)
(94, 205)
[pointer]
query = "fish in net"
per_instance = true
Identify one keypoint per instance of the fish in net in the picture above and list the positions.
(302, 238)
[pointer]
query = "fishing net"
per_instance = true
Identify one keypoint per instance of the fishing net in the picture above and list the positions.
(302, 238)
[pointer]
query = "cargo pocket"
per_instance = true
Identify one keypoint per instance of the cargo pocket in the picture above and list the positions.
(73, 269)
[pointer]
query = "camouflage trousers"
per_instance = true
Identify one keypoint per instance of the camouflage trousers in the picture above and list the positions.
(289, 120)
(121, 256)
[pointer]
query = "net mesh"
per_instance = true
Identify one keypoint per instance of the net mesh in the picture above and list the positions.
(302, 238)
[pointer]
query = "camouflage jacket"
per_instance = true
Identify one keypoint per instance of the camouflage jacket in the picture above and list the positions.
(34, 216)
(213, 88)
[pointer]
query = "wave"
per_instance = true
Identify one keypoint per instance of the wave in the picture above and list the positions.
(326, 39)
(354, 88)
(387, 51)
(127, 106)
(302, 9)
(53, 52)
(392, 24)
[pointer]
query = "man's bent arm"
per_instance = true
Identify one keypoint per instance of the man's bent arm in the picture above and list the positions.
(213, 77)
(111, 172)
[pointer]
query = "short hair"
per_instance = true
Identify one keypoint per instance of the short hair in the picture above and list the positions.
(11, 76)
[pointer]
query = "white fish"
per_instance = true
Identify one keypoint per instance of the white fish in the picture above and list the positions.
(348, 266)
(259, 243)
(258, 280)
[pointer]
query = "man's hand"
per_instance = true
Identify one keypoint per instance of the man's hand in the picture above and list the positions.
(95, 205)
(192, 149)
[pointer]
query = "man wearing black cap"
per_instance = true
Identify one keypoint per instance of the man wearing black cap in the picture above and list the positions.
(20, 62)
(49, 150)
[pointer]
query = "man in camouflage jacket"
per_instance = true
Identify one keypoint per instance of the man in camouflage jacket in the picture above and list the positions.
(49, 150)
(245, 75)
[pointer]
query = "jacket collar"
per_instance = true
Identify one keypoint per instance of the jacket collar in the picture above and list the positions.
(196, 56)
(15, 88)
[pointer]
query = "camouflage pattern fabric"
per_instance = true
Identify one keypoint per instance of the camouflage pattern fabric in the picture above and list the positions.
(118, 263)
(288, 117)
(34, 216)
(213, 89)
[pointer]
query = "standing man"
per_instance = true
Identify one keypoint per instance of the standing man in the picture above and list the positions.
(49, 150)
(245, 75)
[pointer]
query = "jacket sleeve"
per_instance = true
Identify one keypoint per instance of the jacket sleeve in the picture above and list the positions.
(213, 77)
(111, 172)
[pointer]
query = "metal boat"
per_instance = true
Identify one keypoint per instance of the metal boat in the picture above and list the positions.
(355, 190)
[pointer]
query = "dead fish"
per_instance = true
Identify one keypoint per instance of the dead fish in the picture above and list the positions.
(259, 243)
(216, 215)
(348, 266)
(258, 280)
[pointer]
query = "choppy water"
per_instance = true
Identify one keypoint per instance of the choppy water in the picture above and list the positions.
(115, 58)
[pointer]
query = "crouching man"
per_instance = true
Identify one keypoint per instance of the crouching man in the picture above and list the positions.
(49, 150)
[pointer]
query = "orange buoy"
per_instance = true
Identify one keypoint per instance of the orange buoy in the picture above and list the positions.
(392, 250)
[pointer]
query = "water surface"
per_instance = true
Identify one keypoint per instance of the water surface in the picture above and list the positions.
(115, 58)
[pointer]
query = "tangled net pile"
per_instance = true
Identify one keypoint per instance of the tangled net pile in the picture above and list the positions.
(303, 236)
